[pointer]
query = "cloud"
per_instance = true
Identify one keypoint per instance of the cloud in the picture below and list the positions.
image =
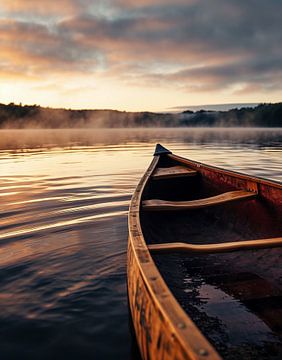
(41, 7)
(35, 48)
(189, 45)
(263, 74)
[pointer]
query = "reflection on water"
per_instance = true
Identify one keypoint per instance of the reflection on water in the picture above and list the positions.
(234, 299)
(63, 229)
(50, 138)
(245, 326)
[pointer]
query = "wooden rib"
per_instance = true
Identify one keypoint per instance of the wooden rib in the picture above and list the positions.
(216, 248)
(172, 172)
(163, 205)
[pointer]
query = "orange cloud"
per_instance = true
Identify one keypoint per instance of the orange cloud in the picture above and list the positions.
(41, 7)
(185, 45)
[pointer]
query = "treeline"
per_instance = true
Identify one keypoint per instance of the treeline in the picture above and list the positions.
(34, 116)
(263, 115)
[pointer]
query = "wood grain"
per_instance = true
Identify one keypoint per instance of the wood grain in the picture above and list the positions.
(172, 172)
(216, 248)
(163, 329)
(163, 205)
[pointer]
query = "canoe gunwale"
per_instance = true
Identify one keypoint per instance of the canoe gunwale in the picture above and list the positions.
(179, 333)
(149, 297)
(236, 174)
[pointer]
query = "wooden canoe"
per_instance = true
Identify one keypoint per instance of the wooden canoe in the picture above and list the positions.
(221, 231)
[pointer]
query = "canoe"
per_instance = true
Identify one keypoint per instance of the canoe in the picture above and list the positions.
(204, 261)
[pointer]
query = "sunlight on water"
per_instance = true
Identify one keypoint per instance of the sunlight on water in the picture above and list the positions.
(63, 230)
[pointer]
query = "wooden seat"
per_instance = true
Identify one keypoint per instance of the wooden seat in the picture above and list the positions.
(172, 172)
(215, 248)
(163, 205)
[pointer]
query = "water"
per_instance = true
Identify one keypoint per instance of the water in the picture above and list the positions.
(63, 229)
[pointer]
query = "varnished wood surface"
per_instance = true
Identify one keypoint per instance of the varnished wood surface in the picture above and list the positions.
(162, 205)
(172, 172)
(215, 248)
(201, 167)
(163, 329)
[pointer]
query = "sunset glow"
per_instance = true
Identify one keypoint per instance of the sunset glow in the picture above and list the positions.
(155, 55)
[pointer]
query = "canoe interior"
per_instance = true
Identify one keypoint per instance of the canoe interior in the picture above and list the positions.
(234, 298)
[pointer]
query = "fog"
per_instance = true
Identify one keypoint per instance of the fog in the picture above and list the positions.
(24, 139)
(14, 116)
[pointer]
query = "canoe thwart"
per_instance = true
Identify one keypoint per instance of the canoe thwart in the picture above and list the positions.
(216, 248)
(163, 205)
(172, 172)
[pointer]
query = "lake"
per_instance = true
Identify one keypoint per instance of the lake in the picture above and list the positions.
(63, 230)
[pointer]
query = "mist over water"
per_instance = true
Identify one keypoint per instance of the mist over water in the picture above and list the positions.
(50, 138)
(63, 229)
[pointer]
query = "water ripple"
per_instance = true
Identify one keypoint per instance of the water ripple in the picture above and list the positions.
(63, 231)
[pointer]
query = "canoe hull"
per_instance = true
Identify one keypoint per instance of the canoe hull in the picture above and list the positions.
(154, 338)
(163, 329)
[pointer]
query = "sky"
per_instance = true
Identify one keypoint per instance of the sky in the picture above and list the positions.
(152, 55)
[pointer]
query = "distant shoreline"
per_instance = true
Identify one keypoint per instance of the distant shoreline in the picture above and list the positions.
(14, 116)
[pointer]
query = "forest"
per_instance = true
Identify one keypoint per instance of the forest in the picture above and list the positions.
(34, 116)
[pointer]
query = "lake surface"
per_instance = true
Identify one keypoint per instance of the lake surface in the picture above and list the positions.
(63, 229)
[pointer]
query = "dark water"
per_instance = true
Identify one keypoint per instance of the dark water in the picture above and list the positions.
(234, 299)
(63, 229)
